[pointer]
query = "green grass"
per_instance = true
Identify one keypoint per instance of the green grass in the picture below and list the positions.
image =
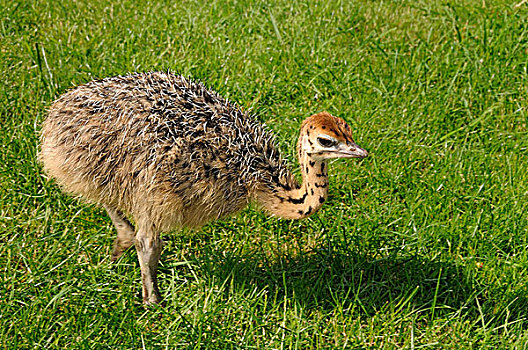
(423, 244)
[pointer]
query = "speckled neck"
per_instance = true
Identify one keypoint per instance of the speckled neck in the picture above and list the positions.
(298, 203)
(314, 188)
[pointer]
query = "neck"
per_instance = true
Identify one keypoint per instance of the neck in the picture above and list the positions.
(300, 202)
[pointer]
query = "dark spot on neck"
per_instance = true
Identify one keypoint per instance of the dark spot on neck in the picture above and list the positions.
(298, 200)
(322, 199)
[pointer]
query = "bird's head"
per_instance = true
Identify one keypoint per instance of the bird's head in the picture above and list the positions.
(324, 136)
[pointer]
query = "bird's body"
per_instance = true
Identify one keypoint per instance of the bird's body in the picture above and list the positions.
(153, 141)
(170, 153)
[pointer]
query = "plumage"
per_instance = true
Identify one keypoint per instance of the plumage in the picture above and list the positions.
(168, 152)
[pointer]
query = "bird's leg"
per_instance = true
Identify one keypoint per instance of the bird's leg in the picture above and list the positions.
(148, 246)
(125, 233)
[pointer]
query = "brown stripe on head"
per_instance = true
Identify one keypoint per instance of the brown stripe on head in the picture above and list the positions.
(333, 126)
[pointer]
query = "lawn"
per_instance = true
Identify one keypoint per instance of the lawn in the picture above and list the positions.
(422, 245)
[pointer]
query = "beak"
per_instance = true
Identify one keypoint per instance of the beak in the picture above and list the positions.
(351, 150)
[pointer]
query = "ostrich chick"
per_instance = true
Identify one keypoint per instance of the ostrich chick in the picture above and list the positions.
(168, 153)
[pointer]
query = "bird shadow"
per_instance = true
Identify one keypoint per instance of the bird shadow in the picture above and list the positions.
(328, 278)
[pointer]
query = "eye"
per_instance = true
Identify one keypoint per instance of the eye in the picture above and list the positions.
(326, 142)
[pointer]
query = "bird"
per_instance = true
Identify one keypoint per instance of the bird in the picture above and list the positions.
(160, 151)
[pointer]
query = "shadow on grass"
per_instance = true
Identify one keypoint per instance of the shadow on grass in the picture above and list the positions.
(330, 279)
